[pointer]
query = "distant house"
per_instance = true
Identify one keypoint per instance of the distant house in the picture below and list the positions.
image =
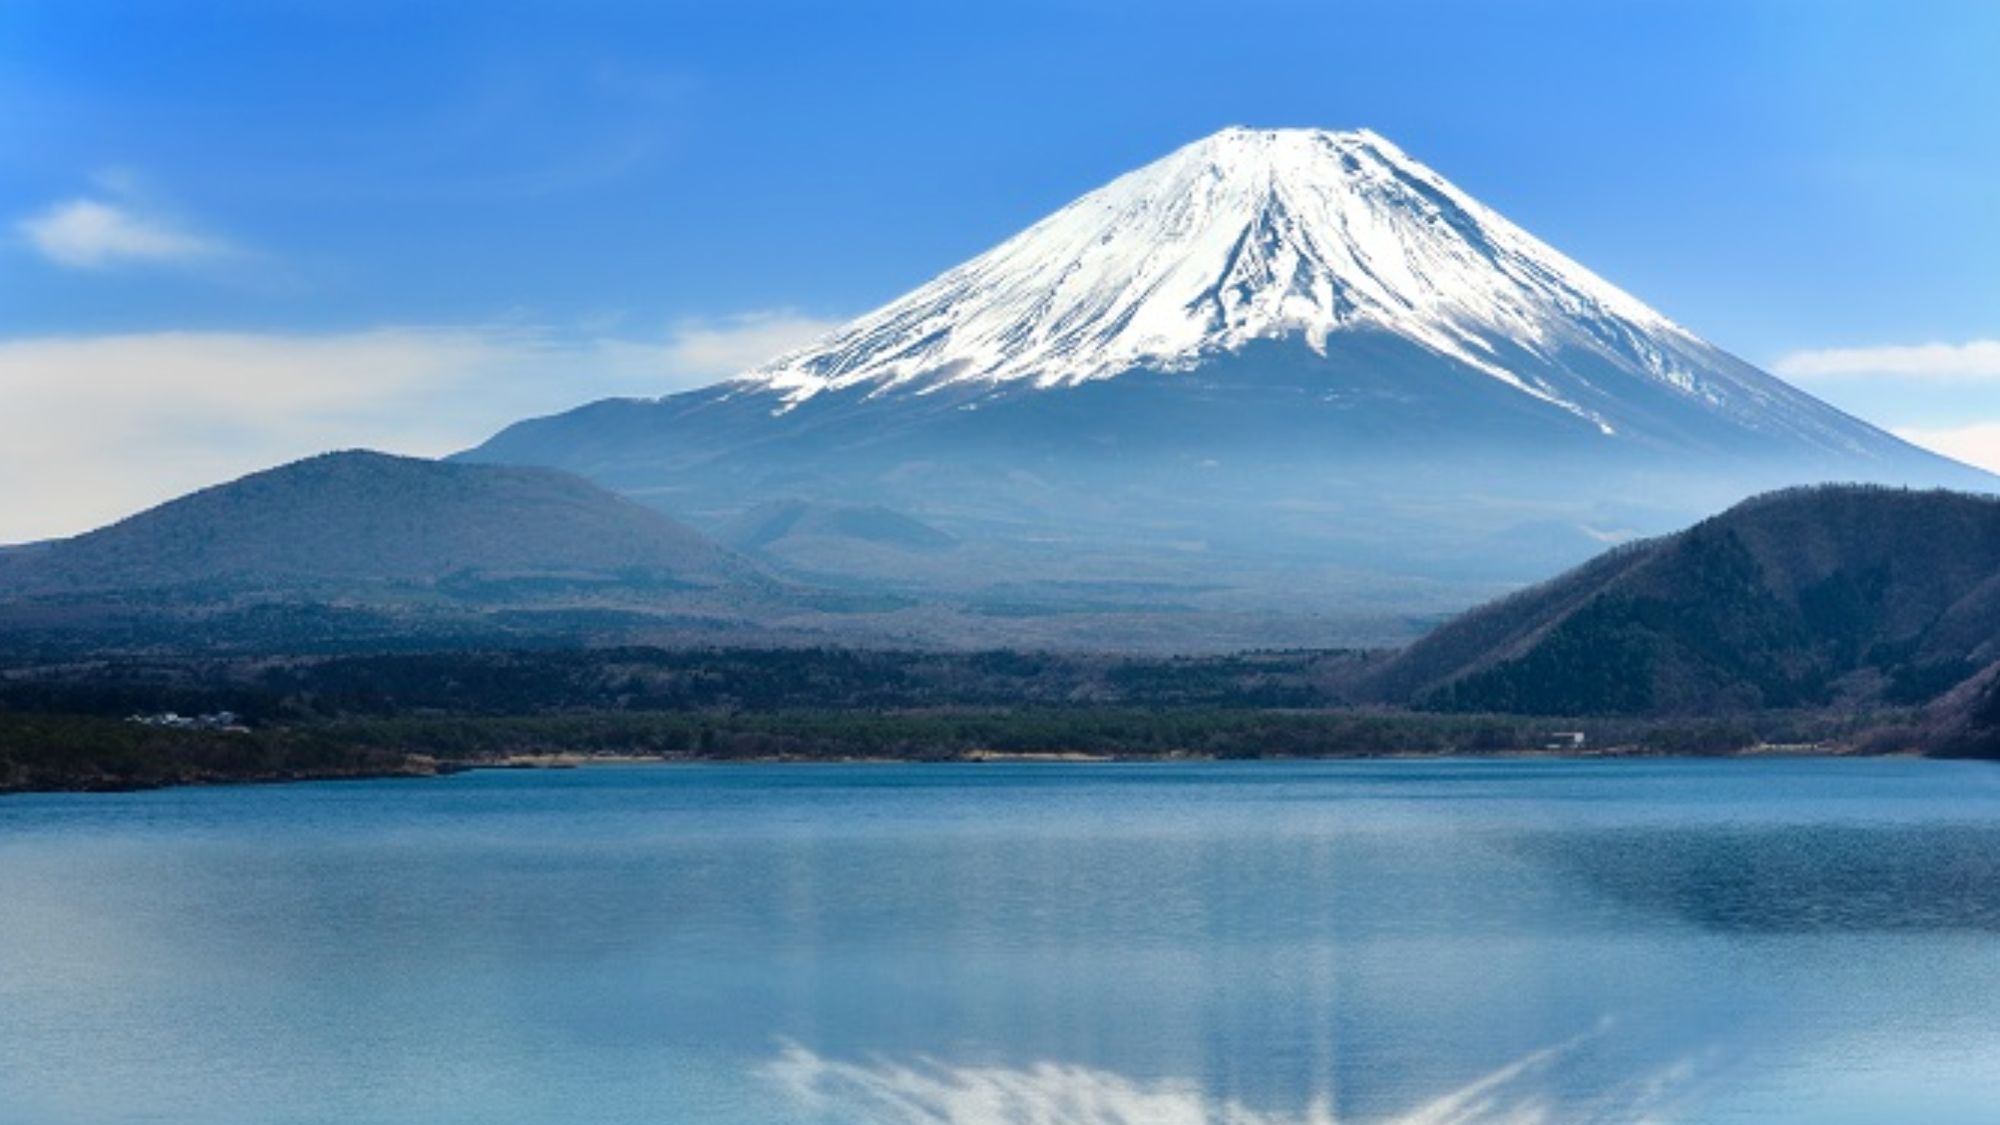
(214, 720)
(172, 719)
(1565, 740)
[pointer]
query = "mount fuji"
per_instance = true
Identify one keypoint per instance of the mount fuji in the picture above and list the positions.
(1290, 378)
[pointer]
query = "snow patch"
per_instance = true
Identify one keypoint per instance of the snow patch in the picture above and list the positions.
(1245, 235)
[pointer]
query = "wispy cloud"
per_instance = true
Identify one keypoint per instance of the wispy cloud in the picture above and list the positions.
(95, 234)
(1976, 444)
(1973, 360)
(719, 348)
(97, 427)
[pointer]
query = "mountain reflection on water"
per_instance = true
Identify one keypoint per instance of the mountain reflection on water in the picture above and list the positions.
(927, 1091)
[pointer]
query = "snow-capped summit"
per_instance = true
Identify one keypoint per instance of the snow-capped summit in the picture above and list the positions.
(1247, 234)
(1271, 363)
(1383, 305)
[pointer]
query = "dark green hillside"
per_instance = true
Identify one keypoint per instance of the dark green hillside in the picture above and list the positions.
(1965, 722)
(89, 752)
(1806, 598)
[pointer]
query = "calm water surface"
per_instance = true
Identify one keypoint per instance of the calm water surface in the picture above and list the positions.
(1436, 942)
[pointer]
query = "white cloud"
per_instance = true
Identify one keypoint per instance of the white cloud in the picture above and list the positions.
(98, 427)
(92, 234)
(736, 344)
(1976, 444)
(700, 351)
(1974, 360)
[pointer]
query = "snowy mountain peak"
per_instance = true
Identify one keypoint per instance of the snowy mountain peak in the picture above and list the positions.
(1248, 234)
(1275, 364)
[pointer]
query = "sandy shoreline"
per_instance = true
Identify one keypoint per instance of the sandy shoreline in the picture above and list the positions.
(569, 760)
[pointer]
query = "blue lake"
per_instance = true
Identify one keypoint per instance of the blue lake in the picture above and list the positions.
(1262, 944)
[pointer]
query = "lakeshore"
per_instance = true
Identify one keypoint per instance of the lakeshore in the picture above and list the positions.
(85, 754)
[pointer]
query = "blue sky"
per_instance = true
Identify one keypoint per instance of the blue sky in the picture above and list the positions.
(233, 233)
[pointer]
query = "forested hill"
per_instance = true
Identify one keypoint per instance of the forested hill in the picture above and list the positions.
(1804, 598)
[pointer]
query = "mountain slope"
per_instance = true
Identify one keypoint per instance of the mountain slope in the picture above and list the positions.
(1295, 363)
(372, 518)
(1806, 597)
(783, 523)
(1269, 234)
(1301, 236)
(1964, 722)
(364, 549)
